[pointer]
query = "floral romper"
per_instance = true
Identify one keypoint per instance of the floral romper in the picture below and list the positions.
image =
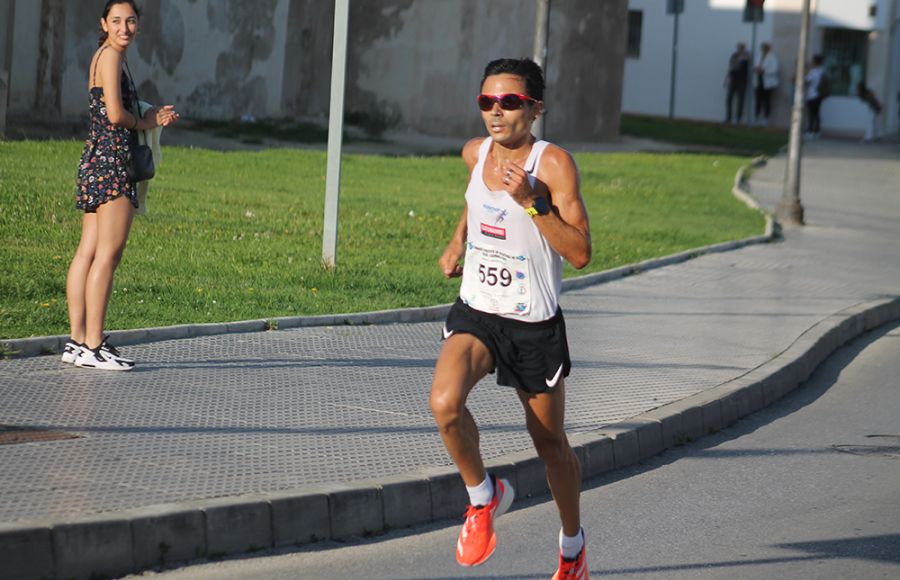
(101, 173)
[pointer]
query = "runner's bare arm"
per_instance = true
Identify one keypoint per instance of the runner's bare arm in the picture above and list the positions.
(456, 249)
(566, 227)
(449, 261)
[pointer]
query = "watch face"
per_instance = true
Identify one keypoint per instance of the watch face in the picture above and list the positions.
(541, 205)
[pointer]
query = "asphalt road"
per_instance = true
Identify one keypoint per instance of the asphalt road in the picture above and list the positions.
(806, 489)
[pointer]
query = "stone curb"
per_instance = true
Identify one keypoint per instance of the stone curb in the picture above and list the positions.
(157, 536)
(42, 345)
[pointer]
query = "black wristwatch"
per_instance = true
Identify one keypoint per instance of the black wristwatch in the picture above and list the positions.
(538, 207)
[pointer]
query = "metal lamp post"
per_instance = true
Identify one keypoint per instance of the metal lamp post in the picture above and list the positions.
(335, 133)
(541, 32)
(790, 210)
(673, 7)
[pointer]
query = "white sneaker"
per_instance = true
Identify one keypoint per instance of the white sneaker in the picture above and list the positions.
(70, 351)
(100, 359)
(112, 352)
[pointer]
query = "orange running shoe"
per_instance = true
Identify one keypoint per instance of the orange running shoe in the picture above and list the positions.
(477, 539)
(576, 569)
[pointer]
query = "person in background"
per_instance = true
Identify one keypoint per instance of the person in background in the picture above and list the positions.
(867, 96)
(814, 96)
(766, 74)
(736, 81)
(103, 190)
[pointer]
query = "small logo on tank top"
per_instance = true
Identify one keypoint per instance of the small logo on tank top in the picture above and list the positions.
(493, 231)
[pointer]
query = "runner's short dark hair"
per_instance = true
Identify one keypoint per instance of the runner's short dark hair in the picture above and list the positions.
(523, 67)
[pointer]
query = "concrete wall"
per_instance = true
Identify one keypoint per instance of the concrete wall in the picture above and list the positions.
(219, 59)
(216, 59)
(586, 64)
(7, 18)
(419, 62)
(415, 63)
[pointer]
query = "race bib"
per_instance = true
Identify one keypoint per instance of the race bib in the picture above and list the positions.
(496, 282)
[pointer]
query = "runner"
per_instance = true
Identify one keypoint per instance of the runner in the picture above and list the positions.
(524, 215)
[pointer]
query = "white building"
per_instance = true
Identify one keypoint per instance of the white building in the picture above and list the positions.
(858, 39)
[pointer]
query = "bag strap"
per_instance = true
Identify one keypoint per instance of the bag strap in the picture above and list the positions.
(137, 99)
(97, 64)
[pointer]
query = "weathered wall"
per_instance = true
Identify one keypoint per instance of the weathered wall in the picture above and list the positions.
(307, 66)
(414, 63)
(586, 65)
(419, 62)
(212, 58)
(7, 17)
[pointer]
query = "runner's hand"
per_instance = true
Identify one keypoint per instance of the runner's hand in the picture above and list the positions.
(449, 261)
(517, 185)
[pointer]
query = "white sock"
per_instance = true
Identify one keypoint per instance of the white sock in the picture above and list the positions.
(483, 493)
(570, 547)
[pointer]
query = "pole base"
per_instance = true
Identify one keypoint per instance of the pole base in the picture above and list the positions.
(790, 213)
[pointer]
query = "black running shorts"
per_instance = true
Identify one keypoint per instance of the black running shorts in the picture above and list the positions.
(531, 356)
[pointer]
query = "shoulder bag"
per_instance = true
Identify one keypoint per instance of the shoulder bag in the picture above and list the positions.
(141, 167)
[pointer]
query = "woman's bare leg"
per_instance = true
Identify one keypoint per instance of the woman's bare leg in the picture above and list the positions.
(76, 279)
(113, 224)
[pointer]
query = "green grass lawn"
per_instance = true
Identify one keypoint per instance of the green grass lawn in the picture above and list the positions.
(238, 235)
(740, 139)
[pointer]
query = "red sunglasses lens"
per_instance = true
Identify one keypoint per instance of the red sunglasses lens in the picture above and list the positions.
(508, 102)
(485, 103)
(511, 102)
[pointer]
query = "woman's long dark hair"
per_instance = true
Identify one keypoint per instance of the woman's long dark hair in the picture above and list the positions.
(109, 4)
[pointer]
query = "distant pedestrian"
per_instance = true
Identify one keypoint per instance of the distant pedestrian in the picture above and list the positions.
(736, 81)
(815, 93)
(103, 189)
(523, 216)
(867, 96)
(766, 75)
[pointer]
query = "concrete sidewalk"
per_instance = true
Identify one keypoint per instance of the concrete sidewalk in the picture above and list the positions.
(237, 442)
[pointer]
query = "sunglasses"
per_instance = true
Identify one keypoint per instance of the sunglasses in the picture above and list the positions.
(507, 101)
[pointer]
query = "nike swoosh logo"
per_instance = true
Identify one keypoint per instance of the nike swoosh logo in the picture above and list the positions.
(552, 382)
(447, 333)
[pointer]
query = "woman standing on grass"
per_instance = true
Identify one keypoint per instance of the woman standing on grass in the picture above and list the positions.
(103, 190)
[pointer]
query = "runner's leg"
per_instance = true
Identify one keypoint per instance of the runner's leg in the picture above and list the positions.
(544, 417)
(464, 360)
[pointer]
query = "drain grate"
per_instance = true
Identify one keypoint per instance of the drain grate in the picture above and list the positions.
(889, 451)
(12, 434)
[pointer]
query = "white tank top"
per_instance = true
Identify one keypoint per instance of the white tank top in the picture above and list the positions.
(510, 269)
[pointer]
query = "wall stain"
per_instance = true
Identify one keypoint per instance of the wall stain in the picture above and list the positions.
(370, 22)
(161, 40)
(86, 31)
(252, 29)
(51, 55)
(307, 63)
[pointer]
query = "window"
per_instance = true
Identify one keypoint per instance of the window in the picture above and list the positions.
(844, 55)
(635, 23)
